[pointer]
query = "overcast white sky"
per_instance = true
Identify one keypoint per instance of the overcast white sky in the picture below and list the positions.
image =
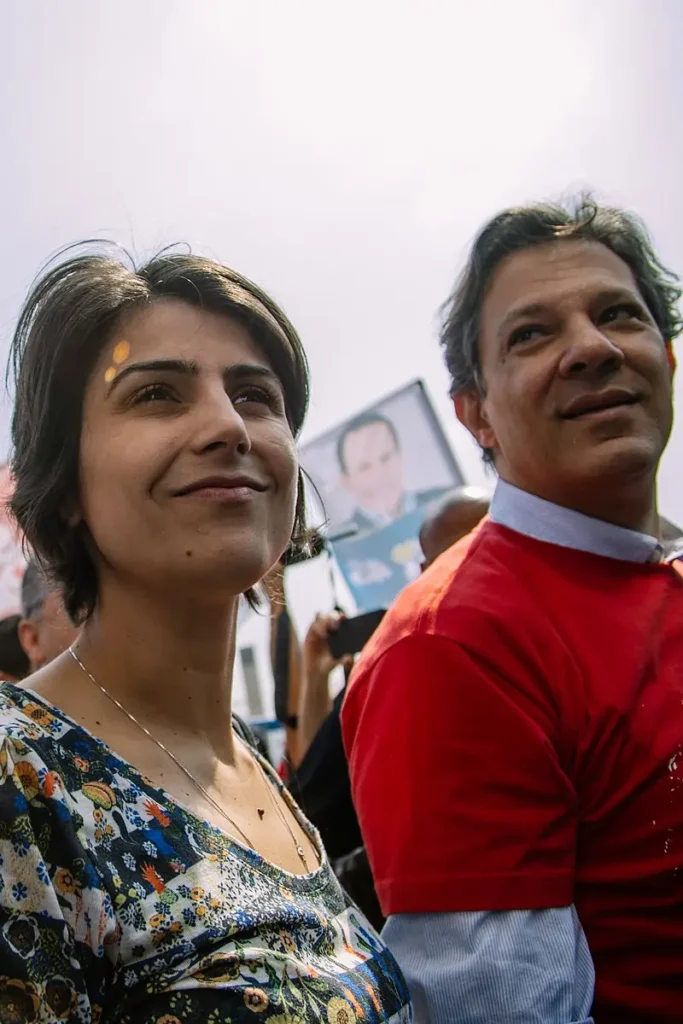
(342, 154)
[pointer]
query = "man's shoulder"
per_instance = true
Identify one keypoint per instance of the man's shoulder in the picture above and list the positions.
(479, 575)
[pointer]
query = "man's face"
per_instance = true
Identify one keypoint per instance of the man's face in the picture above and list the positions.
(374, 469)
(576, 376)
(48, 633)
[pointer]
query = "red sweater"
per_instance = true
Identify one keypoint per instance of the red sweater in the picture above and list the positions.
(515, 741)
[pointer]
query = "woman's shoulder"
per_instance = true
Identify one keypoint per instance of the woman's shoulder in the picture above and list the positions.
(27, 722)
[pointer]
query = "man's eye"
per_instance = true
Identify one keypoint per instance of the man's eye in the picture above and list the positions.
(623, 312)
(153, 393)
(524, 334)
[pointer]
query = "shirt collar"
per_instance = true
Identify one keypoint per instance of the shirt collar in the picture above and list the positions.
(543, 520)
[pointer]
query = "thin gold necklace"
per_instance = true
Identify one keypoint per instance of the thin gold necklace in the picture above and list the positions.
(216, 806)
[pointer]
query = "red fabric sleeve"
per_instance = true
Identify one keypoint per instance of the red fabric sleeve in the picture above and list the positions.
(457, 781)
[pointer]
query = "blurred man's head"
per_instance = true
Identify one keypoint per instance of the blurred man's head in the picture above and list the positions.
(371, 465)
(45, 630)
(558, 338)
(451, 518)
(14, 665)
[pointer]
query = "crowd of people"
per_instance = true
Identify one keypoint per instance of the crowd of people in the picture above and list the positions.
(485, 823)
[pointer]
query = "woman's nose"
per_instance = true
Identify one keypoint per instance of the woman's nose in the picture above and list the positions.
(220, 426)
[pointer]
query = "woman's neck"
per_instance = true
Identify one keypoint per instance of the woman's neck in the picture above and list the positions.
(168, 664)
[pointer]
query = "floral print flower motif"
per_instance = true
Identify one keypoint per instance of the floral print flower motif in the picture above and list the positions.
(64, 881)
(60, 996)
(21, 845)
(19, 1001)
(339, 1011)
(285, 1018)
(19, 892)
(22, 936)
(37, 714)
(28, 777)
(168, 1018)
(256, 1000)
(287, 942)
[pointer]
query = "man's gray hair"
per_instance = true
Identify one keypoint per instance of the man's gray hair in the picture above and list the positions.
(35, 587)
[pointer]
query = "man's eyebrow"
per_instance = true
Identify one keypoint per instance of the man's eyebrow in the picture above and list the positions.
(601, 298)
(622, 294)
(520, 313)
(182, 366)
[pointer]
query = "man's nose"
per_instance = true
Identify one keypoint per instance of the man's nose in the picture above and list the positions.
(220, 425)
(589, 350)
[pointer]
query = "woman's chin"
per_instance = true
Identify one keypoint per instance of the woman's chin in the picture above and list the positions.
(227, 573)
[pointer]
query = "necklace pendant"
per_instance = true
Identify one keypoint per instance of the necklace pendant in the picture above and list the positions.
(261, 812)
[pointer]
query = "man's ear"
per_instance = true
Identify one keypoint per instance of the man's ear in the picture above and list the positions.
(28, 638)
(470, 408)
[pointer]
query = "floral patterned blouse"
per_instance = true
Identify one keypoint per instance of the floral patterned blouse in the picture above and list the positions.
(118, 904)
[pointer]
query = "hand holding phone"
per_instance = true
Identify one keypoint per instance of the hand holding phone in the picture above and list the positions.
(351, 635)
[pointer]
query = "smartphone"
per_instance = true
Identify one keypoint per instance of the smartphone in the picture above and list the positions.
(351, 635)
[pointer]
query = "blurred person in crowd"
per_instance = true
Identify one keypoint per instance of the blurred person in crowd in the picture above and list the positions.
(154, 438)
(45, 630)
(452, 517)
(371, 470)
(321, 778)
(14, 664)
(515, 726)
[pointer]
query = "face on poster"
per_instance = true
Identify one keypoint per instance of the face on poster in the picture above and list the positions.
(376, 475)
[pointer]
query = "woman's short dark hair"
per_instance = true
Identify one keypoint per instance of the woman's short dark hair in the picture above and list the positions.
(526, 226)
(67, 319)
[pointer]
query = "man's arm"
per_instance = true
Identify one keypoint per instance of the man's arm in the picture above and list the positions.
(481, 821)
(519, 967)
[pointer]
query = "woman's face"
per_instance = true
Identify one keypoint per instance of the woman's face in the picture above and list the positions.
(188, 469)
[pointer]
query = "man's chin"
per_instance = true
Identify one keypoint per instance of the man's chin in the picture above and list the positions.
(621, 458)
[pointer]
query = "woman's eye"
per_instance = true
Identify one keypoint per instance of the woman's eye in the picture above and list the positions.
(254, 395)
(523, 334)
(623, 312)
(153, 393)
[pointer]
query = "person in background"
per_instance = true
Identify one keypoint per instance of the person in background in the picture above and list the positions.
(515, 726)
(156, 477)
(371, 470)
(14, 664)
(450, 519)
(45, 629)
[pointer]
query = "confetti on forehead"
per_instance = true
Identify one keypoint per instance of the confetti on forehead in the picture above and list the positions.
(121, 352)
(110, 374)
